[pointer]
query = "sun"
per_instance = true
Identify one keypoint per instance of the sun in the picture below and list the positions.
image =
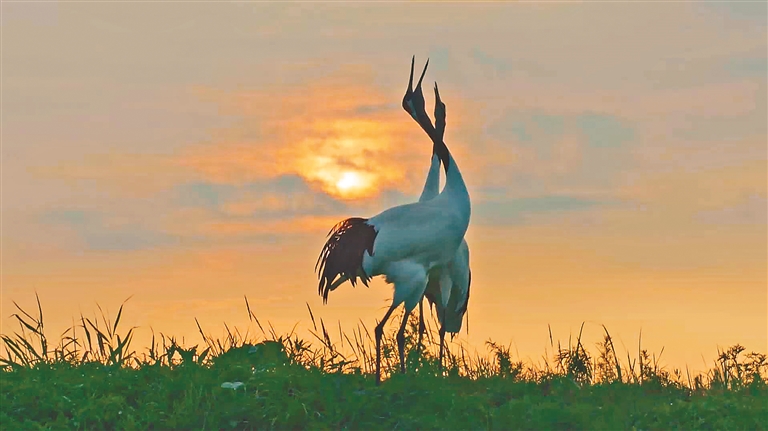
(351, 162)
(349, 180)
(352, 184)
(343, 182)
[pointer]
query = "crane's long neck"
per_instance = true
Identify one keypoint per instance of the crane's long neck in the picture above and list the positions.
(454, 182)
(432, 184)
(455, 187)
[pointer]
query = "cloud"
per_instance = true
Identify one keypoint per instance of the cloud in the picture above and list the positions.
(68, 217)
(667, 154)
(272, 137)
(203, 194)
(482, 58)
(678, 194)
(196, 213)
(115, 172)
(509, 129)
(747, 67)
(374, 109)
(539, 126)
(720, 130)
(726, 127)
(604, 130)
(743, 11)
(558, 153)
(37, 15)
(752, 212)
(200, 213)
(526, 126)
(440, 58)
(265, 210)
(102, 233)
(529, 210)
(282, 197)
(320, 132)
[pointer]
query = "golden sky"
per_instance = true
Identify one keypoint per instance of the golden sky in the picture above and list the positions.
(190, 154)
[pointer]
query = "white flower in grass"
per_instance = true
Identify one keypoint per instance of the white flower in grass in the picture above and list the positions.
(232, 385)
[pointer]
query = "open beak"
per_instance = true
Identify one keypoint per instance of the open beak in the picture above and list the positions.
(439, 115)
(413, 101)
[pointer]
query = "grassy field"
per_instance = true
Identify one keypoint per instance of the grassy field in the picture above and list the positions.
(91, 379)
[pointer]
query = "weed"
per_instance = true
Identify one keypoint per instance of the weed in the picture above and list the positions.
(93, 379)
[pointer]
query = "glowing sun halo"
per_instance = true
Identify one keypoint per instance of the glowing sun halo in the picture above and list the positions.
(349, 181)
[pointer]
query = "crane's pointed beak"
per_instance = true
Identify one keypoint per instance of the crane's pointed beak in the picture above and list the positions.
(439, 115)
(423, 72)
(410, 79)
(408, 105)
(413, 100)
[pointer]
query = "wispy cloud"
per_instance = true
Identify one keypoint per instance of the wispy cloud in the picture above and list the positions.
(101, 233)
(316, 132)
(752, 212)
(754, 12)
(542, 128)
(530, 210)
(604, 130)
(282, 197)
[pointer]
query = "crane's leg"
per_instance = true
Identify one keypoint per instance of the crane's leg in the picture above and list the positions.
(410, 280)
(401, 340)
(422, 326)
(442, 343)
(379, 333)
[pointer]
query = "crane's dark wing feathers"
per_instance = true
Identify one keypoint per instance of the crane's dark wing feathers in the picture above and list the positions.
(342, 254)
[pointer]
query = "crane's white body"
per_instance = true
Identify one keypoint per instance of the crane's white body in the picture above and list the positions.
(414, 239)
(448, 285)
(404, 244)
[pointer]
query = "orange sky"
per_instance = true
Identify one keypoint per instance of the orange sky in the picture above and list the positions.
(187, 156)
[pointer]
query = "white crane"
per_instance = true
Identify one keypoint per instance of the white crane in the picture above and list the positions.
(448, 286)
(403, 243)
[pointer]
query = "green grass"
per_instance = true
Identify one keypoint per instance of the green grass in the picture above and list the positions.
(93, 380)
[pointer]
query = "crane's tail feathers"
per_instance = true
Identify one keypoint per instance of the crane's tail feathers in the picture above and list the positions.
(339, 281)
(342, 255)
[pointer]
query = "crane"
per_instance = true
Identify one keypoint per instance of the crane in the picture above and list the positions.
(403, 243)
(447, 287)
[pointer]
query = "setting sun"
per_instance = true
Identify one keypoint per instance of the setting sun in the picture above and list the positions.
(350, 159)
(342, 182)
(353, 184)
(348, 180)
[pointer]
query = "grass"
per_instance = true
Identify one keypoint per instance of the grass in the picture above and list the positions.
(91, 379)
